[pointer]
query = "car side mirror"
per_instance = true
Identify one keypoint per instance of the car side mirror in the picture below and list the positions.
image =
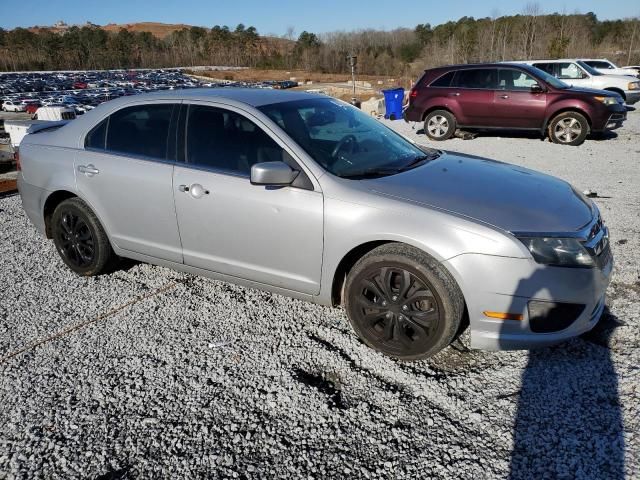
(536, 88)
(276, 174)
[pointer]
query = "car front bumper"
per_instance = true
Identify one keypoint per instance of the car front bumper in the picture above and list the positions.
(502, 284)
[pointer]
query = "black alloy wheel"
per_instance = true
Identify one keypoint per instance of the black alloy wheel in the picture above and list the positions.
(398, 310)
(76, 243)
(80, 239)
(402, 302)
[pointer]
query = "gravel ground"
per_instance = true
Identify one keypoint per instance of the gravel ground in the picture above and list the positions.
(149, 373)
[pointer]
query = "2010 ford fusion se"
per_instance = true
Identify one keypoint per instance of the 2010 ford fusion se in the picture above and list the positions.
(306, 196)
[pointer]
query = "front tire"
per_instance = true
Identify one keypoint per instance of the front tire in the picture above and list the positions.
(569, 128)
(402, 302)
(439, 125)
(80, 239)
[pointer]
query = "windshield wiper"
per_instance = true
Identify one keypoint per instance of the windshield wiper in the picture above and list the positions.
(416, 162)
(371, 173)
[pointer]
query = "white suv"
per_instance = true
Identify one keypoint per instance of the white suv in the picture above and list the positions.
(609, 68)
(579, 74)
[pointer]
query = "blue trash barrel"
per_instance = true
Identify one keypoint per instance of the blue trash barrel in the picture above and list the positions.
(393, 99)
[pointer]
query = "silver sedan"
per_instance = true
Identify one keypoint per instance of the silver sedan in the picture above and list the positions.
(306, 196)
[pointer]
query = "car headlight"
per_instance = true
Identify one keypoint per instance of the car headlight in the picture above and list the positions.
(562, 252)
(607, 100)
(634, 86)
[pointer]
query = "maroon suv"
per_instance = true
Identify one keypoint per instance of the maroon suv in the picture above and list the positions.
(510, 96)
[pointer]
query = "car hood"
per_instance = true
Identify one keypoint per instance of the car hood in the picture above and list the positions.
(506, 196)
(592, 91)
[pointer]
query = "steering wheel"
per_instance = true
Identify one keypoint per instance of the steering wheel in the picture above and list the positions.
(347, 139)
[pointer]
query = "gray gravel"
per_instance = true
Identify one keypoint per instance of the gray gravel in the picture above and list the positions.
(177, 376)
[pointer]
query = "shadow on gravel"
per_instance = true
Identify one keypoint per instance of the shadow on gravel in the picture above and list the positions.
(568, 422)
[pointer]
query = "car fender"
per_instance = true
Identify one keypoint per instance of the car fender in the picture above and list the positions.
(568, 104)
(378, 219)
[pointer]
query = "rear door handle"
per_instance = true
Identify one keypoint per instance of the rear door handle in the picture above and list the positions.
(454, 94)
(89, 170)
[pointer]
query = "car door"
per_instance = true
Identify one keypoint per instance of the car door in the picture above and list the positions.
(515, 105)
(474, 91)
(125, 173)
(270, 235)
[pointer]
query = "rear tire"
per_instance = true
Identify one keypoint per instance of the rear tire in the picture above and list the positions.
(439, 125)
(80, 239)
(568, 128)
(402, 302)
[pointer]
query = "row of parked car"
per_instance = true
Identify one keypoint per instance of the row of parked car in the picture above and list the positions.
(565, 99)
(83, 91)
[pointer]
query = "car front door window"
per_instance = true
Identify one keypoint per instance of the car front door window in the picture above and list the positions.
(570, 71)
(225, 141)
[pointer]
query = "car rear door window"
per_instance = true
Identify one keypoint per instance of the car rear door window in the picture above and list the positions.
(226, 141)
(141, 130)
(479, 78)
(444, 80)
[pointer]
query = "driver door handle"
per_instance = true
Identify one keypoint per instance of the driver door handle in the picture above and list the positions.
(504, 95)
(454, 94)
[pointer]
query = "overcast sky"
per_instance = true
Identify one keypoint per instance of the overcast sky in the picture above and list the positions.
(275, 16)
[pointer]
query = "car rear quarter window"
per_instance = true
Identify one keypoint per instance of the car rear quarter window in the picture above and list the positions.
(141, 130)
(226, 141)
(96, 138)
(478, 78)
(444, 80)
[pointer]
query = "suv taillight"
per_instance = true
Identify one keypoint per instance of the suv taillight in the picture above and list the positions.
(16, 157)
(414, 93)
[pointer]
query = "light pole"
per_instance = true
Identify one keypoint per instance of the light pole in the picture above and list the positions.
(353, 61)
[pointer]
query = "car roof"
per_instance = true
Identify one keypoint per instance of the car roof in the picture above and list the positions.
(254, 97)
(464, 66)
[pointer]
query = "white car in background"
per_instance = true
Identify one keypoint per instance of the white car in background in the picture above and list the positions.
(13, 106)
(578, 74)
(609, 68)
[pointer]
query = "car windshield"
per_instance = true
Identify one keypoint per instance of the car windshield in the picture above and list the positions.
(551, 80)
(590, 70)
(345, 141)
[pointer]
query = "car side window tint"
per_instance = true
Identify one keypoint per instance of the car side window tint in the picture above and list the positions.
(227, 141)
(96, 138)
(479, 78)
(511, 79)
(444, 80)
(140, 130)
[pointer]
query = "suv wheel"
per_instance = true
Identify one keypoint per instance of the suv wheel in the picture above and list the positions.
(439, 125)
(80, 239)
(569, 128)
(402, 302)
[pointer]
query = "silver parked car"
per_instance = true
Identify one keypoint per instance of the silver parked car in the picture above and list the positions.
(306, 196)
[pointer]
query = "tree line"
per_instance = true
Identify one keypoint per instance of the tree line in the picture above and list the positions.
(403, 51)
